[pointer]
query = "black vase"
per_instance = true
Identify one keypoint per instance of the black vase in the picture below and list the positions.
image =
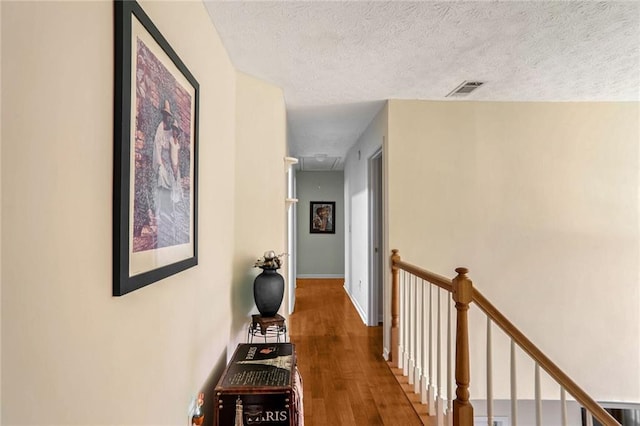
(268, 291)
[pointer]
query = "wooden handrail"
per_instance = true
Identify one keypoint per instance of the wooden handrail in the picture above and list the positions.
(537, 355)
(501, 321)
(438, 280)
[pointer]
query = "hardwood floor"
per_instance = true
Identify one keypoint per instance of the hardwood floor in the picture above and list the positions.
(346, 381)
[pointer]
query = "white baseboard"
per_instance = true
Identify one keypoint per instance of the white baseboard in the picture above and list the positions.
(357, 306)
(319, 276)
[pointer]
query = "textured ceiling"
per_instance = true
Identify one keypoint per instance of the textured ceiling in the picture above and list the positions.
(338, 61)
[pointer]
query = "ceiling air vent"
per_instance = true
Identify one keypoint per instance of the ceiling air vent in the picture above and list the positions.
(318, 163)
(465, 88)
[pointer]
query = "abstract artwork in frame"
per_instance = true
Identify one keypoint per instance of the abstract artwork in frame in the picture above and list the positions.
(155, 191)
(322, 218)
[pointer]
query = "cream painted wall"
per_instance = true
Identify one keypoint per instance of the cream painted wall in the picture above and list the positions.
(71, 353)
(540, 201)
(0, 226)
(260, 212)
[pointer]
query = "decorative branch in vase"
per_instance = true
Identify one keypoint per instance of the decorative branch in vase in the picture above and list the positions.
(270, 260)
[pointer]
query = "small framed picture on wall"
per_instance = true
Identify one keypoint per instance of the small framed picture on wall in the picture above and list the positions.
(322, 217)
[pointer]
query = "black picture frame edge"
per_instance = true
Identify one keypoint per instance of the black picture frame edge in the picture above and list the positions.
(333, 216)
(122, 283)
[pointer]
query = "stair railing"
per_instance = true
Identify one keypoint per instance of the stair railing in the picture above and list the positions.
(415, 300)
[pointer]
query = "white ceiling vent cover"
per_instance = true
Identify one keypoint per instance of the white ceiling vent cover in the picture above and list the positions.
(319, 163)
(465, 88)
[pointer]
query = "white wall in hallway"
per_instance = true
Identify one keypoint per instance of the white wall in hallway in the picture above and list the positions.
(357, 244)
(320, 255)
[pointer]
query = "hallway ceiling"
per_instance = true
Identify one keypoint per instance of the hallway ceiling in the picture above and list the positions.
(338, 61)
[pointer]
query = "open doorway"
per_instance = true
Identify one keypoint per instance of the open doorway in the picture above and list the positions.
(376, 239)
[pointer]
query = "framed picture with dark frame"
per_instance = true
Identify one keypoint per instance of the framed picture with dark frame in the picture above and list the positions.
(322, 218)
(155, 183)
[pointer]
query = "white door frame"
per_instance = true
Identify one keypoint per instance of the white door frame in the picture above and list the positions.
(375, 316)
(292, 230)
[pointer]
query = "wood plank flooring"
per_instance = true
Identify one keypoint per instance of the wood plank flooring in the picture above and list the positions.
(346, 381)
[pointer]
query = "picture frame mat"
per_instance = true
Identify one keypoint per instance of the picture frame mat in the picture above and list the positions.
(145, 261)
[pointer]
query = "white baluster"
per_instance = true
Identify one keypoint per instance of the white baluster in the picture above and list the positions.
(430, 389)
(589, 417)
(489, 375)
(563, 406)
(405, 319)
(419, 337)
(412, 330)
(440, 419)
(449, 366)
(401, 324)
(538, 396)
(439, 401)
(423, 348)
(514, 393)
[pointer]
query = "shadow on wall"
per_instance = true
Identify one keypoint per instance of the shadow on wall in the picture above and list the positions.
(242, 303)
(209, 388)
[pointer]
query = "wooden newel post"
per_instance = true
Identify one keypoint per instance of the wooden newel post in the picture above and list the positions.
(462, 295)
(395, 309)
